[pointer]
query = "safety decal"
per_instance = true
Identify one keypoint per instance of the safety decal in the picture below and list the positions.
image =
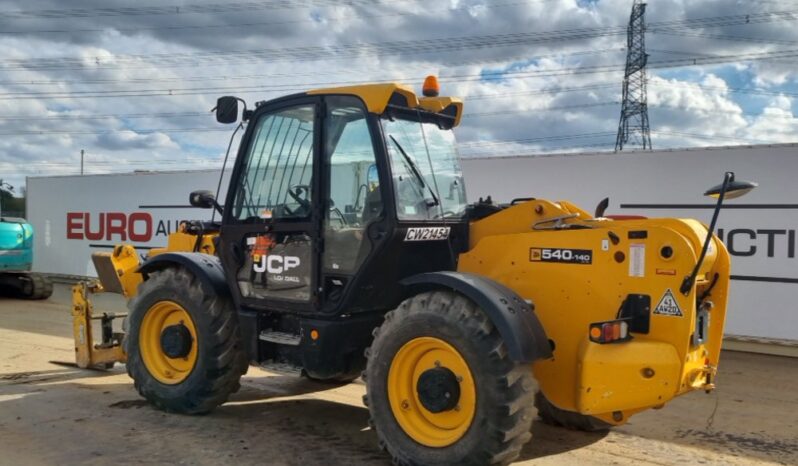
(427, 233)
(561, 255)
(668, 306)
(637, 260)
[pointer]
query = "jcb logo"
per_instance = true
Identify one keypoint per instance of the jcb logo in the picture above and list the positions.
(276, 264)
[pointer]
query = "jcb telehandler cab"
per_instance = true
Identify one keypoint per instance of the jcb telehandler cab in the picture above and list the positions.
(346, 246)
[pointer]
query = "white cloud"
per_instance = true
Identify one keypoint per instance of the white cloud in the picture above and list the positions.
(776, 123)
(699, 107)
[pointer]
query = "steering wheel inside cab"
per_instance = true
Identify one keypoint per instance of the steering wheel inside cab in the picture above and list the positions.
(300, 193)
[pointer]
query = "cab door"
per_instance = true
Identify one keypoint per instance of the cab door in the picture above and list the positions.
(270, 236)
(354, 221)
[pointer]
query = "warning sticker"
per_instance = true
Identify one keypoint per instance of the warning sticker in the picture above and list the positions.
(637, 260)
(668, 306)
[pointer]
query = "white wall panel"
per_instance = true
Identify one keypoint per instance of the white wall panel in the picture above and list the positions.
(667, 183)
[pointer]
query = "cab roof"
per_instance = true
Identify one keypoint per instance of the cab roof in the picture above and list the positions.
(377, 97)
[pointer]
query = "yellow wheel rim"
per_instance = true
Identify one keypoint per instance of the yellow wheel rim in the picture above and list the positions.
(425, 427)
(167, 370)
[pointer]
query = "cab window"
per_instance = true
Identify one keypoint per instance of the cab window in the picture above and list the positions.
(427, 179)
(277, 175)
(354, 188)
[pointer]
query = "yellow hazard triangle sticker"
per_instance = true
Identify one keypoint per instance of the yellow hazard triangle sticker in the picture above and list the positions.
(668, 306)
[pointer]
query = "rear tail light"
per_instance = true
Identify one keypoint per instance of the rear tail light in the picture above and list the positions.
(613, 331)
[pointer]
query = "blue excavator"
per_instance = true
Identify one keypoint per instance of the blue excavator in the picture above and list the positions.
(16, 259)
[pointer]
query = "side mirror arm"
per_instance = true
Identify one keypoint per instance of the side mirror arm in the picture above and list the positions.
(205, 200)
(734, 189)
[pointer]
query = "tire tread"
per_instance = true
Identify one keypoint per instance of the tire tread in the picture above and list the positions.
(224, 363)
(506, 427)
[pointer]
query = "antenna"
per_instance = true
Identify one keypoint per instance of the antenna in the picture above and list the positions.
(633, 128)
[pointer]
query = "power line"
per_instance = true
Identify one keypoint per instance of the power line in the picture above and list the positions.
(113, 131)
(740, 90)
(543, 109)
(332, 52)
(485, 76)
(551, 90)
(293, 87)
(208, 8)
(467, 97)
(687, 33)
(430, 45)
(209, 115)
(183, 79)
(239, 25)
(235, 7)
(70, 117)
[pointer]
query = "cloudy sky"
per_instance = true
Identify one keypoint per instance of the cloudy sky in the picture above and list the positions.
(132, 83)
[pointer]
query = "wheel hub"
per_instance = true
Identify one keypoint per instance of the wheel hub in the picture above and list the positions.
(176, 341)
(438, 390)
(431, 391)
(168, 342)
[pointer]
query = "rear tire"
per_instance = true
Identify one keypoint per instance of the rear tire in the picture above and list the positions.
(490, 387)
(219, 361)
(555, 416)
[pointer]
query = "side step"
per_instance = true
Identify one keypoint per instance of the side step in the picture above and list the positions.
(281, 338)
(281, 368)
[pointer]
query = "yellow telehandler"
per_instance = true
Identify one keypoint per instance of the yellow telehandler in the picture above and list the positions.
(345, 246)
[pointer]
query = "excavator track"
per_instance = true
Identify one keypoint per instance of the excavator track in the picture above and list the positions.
(26, 285)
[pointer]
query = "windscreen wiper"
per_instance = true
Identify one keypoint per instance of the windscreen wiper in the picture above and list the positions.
(415, 171)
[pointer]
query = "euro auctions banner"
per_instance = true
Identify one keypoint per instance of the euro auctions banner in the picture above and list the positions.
(74, 216)
(759, 229)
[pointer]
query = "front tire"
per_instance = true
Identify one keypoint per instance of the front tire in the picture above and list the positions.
(183, 344)
(441, 387)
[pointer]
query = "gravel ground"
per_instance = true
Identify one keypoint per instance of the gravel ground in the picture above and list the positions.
(52, 414)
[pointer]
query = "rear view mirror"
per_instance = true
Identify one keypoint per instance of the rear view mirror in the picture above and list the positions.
(732, 189)
(372, 177)
(202, 199)
(227, 109)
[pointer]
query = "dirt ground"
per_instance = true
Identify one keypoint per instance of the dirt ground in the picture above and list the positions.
(51, 414)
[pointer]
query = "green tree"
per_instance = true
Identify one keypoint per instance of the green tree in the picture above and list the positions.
(9, 205)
